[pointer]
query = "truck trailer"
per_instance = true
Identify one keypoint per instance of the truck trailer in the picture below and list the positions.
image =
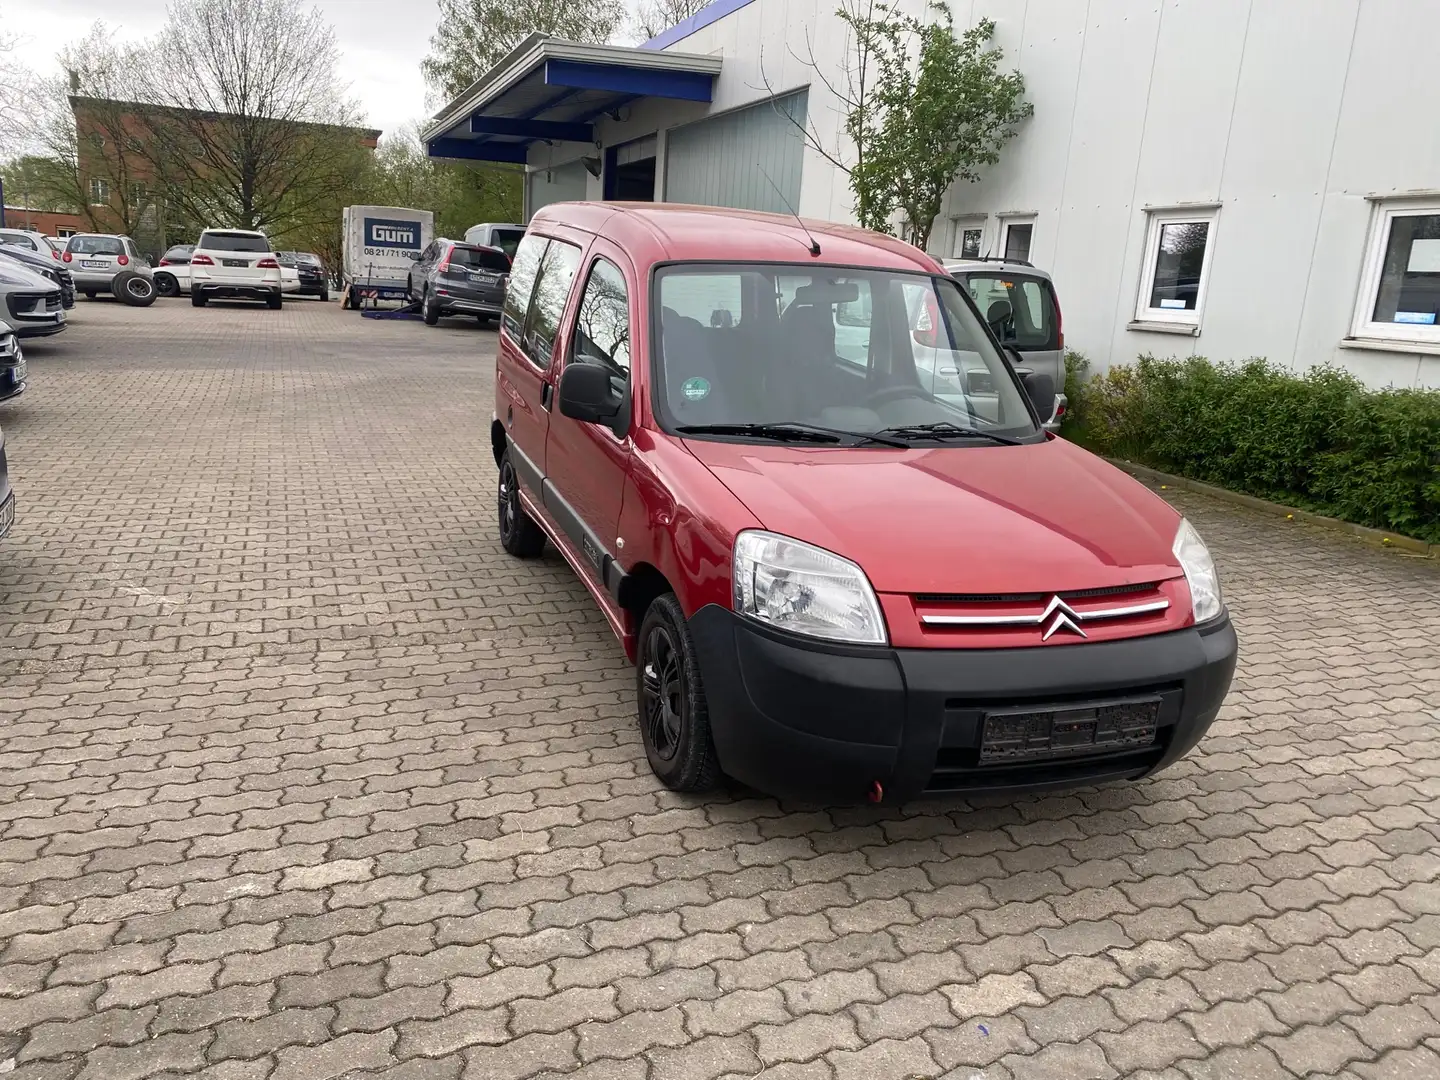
(381, 243)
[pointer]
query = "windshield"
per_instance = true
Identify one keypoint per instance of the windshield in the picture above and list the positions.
(96, 245)
(507, 240)
(478, 258)
(1021, 310)
(854, 350)
(229, 241)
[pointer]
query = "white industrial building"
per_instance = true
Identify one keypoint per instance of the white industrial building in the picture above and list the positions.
(1227, 178)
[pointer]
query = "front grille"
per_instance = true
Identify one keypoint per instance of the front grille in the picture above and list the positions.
(52, 302)
(1020, 598)
(25, 303)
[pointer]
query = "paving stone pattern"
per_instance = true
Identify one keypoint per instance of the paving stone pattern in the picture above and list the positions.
(302, 778)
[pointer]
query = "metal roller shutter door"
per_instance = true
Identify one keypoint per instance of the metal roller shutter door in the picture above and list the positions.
(724, 160)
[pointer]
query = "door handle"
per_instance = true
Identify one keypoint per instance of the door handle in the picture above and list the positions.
(547, 390)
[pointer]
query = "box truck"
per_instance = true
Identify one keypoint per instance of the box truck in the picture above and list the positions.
(380, 244)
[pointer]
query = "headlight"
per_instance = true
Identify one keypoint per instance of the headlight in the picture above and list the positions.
(804, 589)
(1199, 570)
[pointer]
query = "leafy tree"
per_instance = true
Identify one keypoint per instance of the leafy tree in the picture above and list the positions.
(922, 109)
(460, 195)
(473, 35)
(941, 110)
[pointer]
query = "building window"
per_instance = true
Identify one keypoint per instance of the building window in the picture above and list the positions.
(1178, 244)
(1400, 288)
(99, 193)
(137, 194)
(969, 236)
(65, 232)
(1017, 238)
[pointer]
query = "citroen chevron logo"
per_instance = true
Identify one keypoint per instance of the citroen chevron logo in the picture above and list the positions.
(1064, 618)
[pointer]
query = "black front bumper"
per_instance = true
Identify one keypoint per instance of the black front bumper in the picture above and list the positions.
(804, 719)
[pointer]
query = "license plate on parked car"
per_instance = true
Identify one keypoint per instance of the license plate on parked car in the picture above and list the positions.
(1026, 734)
(7, 516)
(19, 370)
(234, 262)
(94, 264)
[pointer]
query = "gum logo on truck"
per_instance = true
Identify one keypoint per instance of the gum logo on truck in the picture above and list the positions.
(386, 237)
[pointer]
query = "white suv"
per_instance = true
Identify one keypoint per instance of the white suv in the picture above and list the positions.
(234, 264)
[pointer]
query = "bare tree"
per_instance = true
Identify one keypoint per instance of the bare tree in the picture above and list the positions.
(652, 18)
(249, 124)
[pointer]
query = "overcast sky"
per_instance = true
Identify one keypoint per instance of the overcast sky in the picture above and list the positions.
(381, 42)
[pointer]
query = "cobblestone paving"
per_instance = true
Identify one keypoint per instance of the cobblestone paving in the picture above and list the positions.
(300, 778)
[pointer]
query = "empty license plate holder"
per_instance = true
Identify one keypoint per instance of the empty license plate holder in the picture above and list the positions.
(1031, 733)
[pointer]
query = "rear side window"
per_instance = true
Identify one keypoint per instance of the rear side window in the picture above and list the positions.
(479, 258)
(1021, 310)
(228, 241)
(507, 240)
(522, 283)
(557, 274)
(96, 245)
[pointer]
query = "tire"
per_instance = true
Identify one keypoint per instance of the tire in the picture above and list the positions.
(674, 718)
(430, 309)
(324, 296)
(166, 285)
(274, 301)
(519, 535)
(483, 320)
(197, 298)
(137, 290)
(89, 295)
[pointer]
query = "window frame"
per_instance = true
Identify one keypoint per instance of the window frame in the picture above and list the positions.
(526, 343)
(975, 223)
(99, 191)
(1156, 220)
(619, 427)
(1362, 324)
(1011, 221)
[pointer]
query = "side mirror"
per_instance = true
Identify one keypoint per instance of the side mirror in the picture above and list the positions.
(1040, 388)
(586, 395)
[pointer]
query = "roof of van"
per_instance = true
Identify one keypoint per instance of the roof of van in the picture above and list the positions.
(661, 232)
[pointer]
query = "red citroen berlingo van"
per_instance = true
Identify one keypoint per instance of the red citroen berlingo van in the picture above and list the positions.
(817, 504)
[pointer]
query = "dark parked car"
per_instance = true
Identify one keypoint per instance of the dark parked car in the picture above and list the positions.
(459, 279)
(7, 497)
(314, 278)
(52, 270)
(12, 380)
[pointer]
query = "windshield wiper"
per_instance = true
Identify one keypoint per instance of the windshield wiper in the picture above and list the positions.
(793, 431)
(946, 430)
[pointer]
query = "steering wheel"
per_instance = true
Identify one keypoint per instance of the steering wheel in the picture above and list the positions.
(893, 393)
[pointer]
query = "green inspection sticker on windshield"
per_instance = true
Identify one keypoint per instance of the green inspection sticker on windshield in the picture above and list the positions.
(696, 389)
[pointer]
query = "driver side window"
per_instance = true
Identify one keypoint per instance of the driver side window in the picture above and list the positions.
(602, 325)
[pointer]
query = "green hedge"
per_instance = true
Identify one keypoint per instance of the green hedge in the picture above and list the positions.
(1321, 441)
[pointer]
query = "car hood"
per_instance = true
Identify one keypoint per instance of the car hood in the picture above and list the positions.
(1047, 517)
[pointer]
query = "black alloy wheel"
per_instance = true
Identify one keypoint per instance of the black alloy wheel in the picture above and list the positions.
(673, 713)
(519, 535)
(662, 693)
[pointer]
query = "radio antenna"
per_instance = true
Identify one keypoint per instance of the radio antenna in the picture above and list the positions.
(814, 246)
